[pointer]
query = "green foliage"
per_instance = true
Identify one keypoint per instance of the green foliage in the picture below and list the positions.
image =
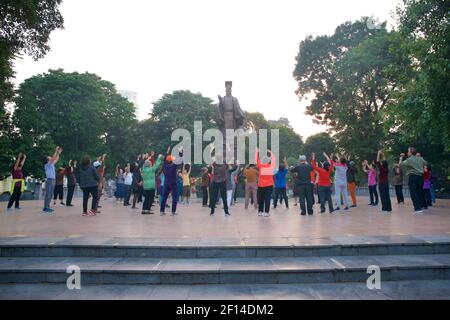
(383, 89)
(319, 143)
(80, 112)
(424, 109)
(353, 76)
(179, 110)
(25, 29)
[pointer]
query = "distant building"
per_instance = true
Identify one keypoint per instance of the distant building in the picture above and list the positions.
(132, 97)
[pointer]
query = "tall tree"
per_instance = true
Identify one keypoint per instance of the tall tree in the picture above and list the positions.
(80, 112)
(319, 143)
(352, 76)
(25, 29)
(423, 111)
(179, 110)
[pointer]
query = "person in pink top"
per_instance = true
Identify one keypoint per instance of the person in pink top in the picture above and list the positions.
(371, 182)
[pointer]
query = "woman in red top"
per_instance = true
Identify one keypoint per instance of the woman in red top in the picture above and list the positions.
(324, 182)
(265, 182)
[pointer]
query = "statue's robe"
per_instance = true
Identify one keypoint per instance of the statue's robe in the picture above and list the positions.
(229, 113)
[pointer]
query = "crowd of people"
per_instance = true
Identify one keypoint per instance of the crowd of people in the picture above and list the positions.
(152, 180)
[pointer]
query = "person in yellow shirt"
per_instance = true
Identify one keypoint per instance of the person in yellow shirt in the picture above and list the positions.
(186, 183)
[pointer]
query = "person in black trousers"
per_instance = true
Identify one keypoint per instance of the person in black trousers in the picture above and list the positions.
(383, 182)
(414, 168)
(17, 175)
(219, 185)
(89, 180)
(71, 182)
(398, 184)
(305, 189)
(137, 183)
(205, 186)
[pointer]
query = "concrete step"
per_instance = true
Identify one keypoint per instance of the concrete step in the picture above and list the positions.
(276, 270)
(223, 248)
(415, 290)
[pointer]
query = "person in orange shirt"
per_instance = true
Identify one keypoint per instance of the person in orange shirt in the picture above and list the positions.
(265, 181)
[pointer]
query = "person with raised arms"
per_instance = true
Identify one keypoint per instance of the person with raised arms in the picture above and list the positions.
(18, 183)
(50, 174)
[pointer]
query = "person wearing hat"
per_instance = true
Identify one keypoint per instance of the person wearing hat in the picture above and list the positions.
(170, 170)
(305, 189)
(149, 186)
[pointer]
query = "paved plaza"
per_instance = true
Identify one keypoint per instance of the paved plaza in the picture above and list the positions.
(195, 256)
(194, 223)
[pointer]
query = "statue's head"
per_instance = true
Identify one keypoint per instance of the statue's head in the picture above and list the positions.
(228, 86)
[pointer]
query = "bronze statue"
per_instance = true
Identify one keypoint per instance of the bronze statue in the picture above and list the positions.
(229, 112)
(229, 116)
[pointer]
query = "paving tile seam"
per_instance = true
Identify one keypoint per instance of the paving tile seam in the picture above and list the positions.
(230, 247)
(227, 271)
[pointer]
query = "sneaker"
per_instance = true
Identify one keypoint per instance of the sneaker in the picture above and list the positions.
(84, 214)
(211, 214)
(62, 204)
(69, 205)
(10, 209)
(266, 215)
(260, 214)
(162, 214)
(353, 206)
(174, 214)
(346, 209)
(48, 210)
(337, 209)
(17, 208)
(227, 214)
(418, 212)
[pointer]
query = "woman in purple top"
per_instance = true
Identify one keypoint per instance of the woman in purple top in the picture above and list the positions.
(17, 174)
(170, 182)
(371, 181)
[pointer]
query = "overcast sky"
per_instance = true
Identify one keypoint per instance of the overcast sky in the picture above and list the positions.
(156, 47)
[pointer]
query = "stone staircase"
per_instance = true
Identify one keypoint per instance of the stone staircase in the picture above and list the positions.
(149, 262)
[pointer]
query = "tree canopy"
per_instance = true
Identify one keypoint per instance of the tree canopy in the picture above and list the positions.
(377, 88)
